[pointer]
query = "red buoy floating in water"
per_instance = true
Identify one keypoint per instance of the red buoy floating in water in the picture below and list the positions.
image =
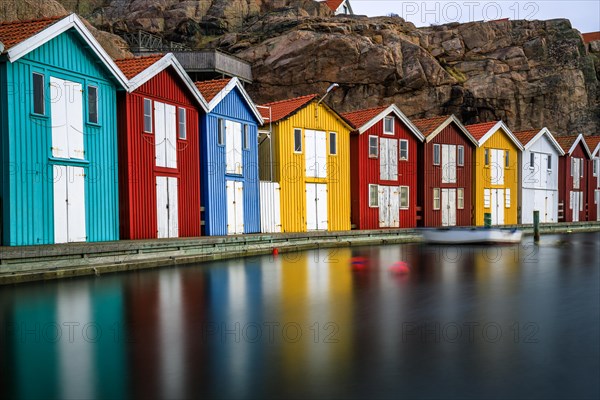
(358, 263)
(275, 251)
(400, 268)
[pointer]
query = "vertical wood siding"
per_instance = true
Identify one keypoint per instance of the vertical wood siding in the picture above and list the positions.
(138, 170)
(28, 189)
(234, 108)
(365, 171)
(565, 184)
(289, 169)
(431, 177)
(501, 141)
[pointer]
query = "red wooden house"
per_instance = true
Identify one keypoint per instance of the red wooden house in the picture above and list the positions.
(159, 167)
(573, 171)
(593, 143)
(446, 172)
(383, 168)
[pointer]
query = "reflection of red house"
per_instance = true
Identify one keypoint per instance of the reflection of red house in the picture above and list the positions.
(573, 171)
(383, 165)
(159, 185)
(445, 172)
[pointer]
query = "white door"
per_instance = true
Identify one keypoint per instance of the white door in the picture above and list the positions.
(448, 163)
(497, 207)
(270, 215)
(549, 207)
(315, 154)
(575, 206)
(576, 172)
(316, 206)
(394, 207)
(388, 159)
(322, 212)
(66, 113)
(165, 135)
(448, 207)
(233, 148)
(235, 207)
(384, 206)
(597, 201)
(167, 207)
(69, 204)
(497, 167)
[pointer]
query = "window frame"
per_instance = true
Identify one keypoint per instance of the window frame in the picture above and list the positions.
(437, 151)
(486, 157)
(595, 166)
(460, 156)
(371, 187)
(385, 120)
(151, 116)
(506, 159)
(89, 103)
(400, 150)
(333, 143)
(298, 135)
(532, 160)
(245, 137)
(376, 155)
(460, 198)
(182, 122)
(43, 94)
(549, 164)
(407, 206)
(437, 198)
(221, 132)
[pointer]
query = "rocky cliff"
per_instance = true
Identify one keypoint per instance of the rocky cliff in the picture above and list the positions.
(528, 73)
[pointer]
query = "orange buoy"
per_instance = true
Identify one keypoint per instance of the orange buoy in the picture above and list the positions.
(400, 268)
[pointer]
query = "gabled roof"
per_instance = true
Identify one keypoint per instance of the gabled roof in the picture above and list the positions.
(483, 131)
(593, 143)
(20, 38)
(217, 90)
(284, 108)
(430, 127)
(140, 70)
(590, 37)
(528, 138)
(362, 120)
(334, 4)
(569, 143)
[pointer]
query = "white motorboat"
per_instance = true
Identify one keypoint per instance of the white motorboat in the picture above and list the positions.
(471, 235)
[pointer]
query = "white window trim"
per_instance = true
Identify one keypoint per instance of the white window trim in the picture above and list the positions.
(487, 198)
(459, 162)
(377, 190)
(506, 159)
(532, 160)
(89, 120)
(400, 150)
(151, 115)
(407, 206)
(386, 132)
(179, 123)
(486, 157)
(336, 143)
(246, 137)
(439, 198)
(439, 152)
(376, 147)
(221, 132)
(294, 141)
(460, 190)
(43, 93)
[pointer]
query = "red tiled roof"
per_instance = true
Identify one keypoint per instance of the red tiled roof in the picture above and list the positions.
(132, 67)
(361, 117)
(526, 136)
(566, 141)
(284, 108)
(479, 130)
(13, 33)
(592, 142)
(590, 37)
(428, 125)
(334, 4)
(210, 89)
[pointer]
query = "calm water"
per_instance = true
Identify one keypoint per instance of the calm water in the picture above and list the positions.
(499, 322)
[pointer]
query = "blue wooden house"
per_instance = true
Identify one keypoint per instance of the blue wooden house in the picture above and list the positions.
(58, 148)
(229, 159)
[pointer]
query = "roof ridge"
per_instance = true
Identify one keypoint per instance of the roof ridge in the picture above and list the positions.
(365, 109)
(446, 116)
(25, 21)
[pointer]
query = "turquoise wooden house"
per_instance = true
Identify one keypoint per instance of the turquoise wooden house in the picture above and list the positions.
(58, 148)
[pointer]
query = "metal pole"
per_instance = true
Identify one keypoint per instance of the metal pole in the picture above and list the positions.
(536, 226)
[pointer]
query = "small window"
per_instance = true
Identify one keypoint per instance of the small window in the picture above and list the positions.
(507, 198)
(39, 95)
(436, 154)
(403, 149)
(182, 124)
(506, 159)
(461, 156)
(404, 191)
(581, 168)
(486, 157)
(596, 165)
(93, 104)
(332, 143)
(221, 132)
(246, 138)
(549, 162)
(373, 196)
(460, 198)
(298, 140)
(147, 115)
(388, 125)
(531, 161)
(373, 146)
(436, 198)
(486, 198)
(573, 161)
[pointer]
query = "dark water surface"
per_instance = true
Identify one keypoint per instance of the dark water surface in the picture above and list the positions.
(466, 322)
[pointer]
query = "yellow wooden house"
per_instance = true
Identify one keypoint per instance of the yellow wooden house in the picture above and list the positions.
(304, 155)
(496, 173)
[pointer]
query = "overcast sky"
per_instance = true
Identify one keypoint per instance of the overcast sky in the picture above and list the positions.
(584, 14)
